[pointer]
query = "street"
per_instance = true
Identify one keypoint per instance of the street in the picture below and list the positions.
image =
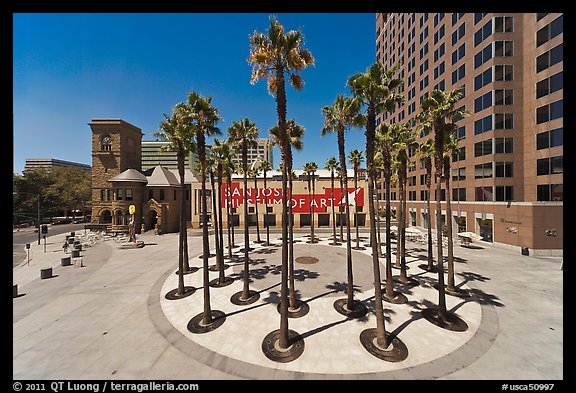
(27, 235)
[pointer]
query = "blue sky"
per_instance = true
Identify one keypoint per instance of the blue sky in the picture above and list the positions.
(70, 68)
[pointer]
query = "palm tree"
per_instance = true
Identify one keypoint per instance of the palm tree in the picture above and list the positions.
(405, 139)
(341, 180)
(175, 130)
(210, 164)
(438, 110)
(355, 159)
(343, 114)
(332, 165)
(221, 154)
(295, 134)
(375, 89)
(384, 142)
(425, 153)
(203, 117)
(272, 55)
(265, 166)
(310, 169)
(244, 134)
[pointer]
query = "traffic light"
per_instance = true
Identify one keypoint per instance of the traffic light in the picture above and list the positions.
(44, 229)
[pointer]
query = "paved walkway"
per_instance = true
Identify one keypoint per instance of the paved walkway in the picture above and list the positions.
(110, 319)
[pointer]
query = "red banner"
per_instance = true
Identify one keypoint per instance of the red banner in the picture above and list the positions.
(301, 203)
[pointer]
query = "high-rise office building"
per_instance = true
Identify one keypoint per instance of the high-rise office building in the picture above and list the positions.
(507, 174)
(262, 152)
(49, 163)
(156, 153)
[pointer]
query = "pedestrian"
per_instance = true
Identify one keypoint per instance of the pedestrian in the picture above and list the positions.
(65, 247)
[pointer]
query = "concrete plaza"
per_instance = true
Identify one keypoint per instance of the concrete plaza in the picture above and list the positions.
(110, 319)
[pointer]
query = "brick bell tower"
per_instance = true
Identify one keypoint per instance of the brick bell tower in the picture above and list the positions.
(116, 147)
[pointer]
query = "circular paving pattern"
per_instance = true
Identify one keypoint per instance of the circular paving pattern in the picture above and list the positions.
(334, 346)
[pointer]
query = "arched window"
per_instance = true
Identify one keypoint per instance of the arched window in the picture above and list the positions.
(106, 217)
(106, 143)
(119, 218)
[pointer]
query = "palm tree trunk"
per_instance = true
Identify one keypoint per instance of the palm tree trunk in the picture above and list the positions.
(333, 209)
(356, 207)
(429, 215)
(181, 233)
(246, 285)
(447, 175)
(229, 178)
(340, 211)
(220, 230)
(400, 224)
(228, 213)
(219, 262)
(312, 202)
(266, 223)
(291, 280)
(207, 314)
(381, 339)
(379, 210)
(283, 339)
(440, 263)
(403, 275)
(310, 207)
(256, 209)
(344, 180)
(389, 283)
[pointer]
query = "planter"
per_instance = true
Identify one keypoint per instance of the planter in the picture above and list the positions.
(15, 290)
(45, 273)
(75, 253)
(66, 261)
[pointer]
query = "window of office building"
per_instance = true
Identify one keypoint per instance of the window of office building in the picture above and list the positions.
(550, 85)
(504, 193)
(541, 15)
(424, 34)
(504, 169)
(423, 195)
(458, 53)
(411, 64)
(478, 16)
(503, 121)
(439, 52)
(458, 174)
(437, 18)
(483, 79)
(482, 33)
(550, 192)
(483, 148)
(424, 66)
(483, 56)
(550, 112)
(504, 72)
(423, 83)
(550, 31)
(503, 97)
(439, 70)
(423, 51)
(459, 194)
(483, 125)
(503, 48)
(503, 145)
(439, 34)
(483, 102)
(440, 85)
(484, 194)
(456, 16)
(552, 138)
(549, 58)
(550, 165)
(458, 33)
(482, 171)
(503, 24)
(460, 133)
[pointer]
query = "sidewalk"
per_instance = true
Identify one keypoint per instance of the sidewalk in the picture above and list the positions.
(109, 319)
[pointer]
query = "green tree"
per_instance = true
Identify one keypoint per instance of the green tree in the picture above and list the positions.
(376, 90)
(355, 159)
(332, 165)
(343, 114)
(272, 55)
(243, 134)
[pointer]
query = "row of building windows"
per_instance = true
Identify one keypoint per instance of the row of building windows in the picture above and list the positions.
(126, 194)
(497, 121)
